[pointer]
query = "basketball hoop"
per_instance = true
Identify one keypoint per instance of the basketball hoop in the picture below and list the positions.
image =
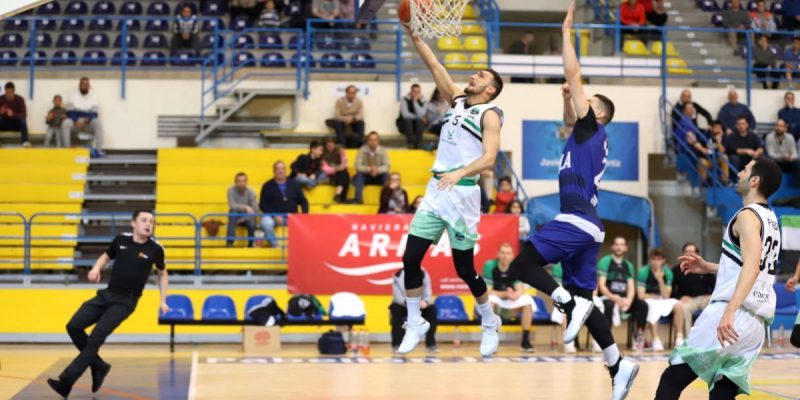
(437, 18)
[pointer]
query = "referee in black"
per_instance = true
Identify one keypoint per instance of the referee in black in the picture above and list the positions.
(134, 256)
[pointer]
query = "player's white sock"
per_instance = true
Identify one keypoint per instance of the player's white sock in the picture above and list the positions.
(485, 310)
(611, 354)
(414, 313)
(561, 295)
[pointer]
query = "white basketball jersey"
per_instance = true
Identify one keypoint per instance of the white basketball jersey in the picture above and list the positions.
(461, 139)
(761, 299)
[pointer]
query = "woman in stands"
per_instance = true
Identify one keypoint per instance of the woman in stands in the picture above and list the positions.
(394, 199)
(334, 165)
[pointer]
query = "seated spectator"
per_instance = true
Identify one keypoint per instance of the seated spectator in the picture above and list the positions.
(655, 12)
(435, 111)
(54, 118)
(654, 286)
(297, 11)
(13, 113)
(185, 31)
(733, 110)
(241, 200)
(347, 14)
(508, 295)
(791, 114)
(615, 284)
(791, 15)
(334, 166)
(247, 8)
(678, 110)
(326, 9)
(632, 14)
(782, 147)
(523, 46)
(504, 196)
(270, 17)
(765, 64)
(411, 121)
(82, 110)
(307, 168)
(708, 149)
(743, 146)
(394, 199)
(761, 20)
(399, 311)
(412, 209)
(791, 57)
(735, 17)
(685, 124)
(279, 195)
(349, 111)
(372, 166)
(517, 209)
(693, 290)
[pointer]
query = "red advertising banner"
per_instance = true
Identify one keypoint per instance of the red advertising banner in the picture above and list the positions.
(359, 253)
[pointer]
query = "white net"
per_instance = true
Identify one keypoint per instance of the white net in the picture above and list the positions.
(437, 18)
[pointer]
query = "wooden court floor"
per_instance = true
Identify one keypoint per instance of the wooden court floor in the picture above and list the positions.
(221, 372)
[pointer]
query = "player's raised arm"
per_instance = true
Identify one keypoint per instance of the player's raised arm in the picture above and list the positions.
(569, 110)
(572, 70)
(444, 82)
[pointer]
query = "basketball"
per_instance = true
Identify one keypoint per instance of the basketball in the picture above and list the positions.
(404, 11)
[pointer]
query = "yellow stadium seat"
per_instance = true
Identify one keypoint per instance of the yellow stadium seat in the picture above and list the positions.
(44, 156)
(42, 258)
(28, 209)
(475, 43)
(449, 43)
(655, 48)
(480, 61)
(41, 193)
(633, 47)
(40, 173)
(678, 66)
(471, 28)
(456, 61)
(469, 12)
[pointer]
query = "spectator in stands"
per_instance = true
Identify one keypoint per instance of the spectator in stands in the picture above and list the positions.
(791, 15)
(297, 11)
(504, 196)
(509, 295)
(678, 109)
(347, 14)
(326, 9)
(334, 166)
(399, 312)
(735, 17)
(733, 110)
(656, 14)
(435, 111)
(693, 290)
(415, 205)
(54, 118)
(411, 120)
(632, 14)
(270, 17)
(185, 31)
(372, 166)
(790, 113)
(654, 286)
(394, 199)
(782, 147)
(686, 125)
(706, 149)
(307, 168)
(743, 146)
(524, 227)
(761, 20)
(349, 111)
(13, 113)
(523, 46)
(241, 200)
(791, 57)
(249, 9)
(765, 64)
(615, 284)
(279, 195)
(82, 110)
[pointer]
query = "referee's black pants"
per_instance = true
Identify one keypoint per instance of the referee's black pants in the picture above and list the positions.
(107, 310)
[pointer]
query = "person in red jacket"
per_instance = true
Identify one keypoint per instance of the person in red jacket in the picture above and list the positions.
(632, 14)
(505, 195)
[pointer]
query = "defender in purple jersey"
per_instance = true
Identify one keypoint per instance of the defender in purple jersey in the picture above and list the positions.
(574, 236)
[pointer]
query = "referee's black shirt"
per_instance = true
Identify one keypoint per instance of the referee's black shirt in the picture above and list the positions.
(133, 263)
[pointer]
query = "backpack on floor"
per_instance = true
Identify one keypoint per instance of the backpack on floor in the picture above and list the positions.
(331, 342)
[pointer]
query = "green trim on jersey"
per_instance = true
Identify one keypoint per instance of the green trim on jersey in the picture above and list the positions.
(732, 247)
(472, 125)
(710, 363)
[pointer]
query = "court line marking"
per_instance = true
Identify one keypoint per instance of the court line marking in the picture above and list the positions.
(193, 375)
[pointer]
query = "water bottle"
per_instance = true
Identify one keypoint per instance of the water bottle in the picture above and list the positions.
(780, 337)
(365, 343)
(259, 236)
(354, 338)
(553, 340)
(456, 339)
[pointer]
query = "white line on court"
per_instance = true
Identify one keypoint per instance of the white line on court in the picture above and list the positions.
(193, 375)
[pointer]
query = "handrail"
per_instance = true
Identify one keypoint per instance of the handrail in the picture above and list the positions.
(26, 255)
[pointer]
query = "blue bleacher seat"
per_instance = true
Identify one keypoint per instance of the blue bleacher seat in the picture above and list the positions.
(296, 42)
(97, 40)
(244, 59)
(786, 307)
(308, 59)
(116, 59)
(133, 41)
(252, 302)
(73, 24)
(327, 41)
(362, 60)
(709, 5)
(752, 5)
(16, 24)
(76, 7)
(64, 57)
(157, 25)
(104, 8)
(219, 307)
(180, 307)
(241, 23)
(159, 8)
(68, 40)
(183, 58)
(11, 40)
(49, 8)
(209, 39)
(208, 25)
(130, 8)
(776, 7)
(153, 58)
(450, 308)
(243, 41)
(209, 54)
(542, 314)
(270, 40)
(100, 24)
(8, 58)
(357, 42)
(273, 60)
(94, 57)
(43, 40)
(133, 25)
(39, 58)
(180, 5)
(332, 60)
(214, 8)
(717, 20)
(46, 24)
(155, 41)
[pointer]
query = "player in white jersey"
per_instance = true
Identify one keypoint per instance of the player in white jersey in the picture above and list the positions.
(727, 337)
(468, 145)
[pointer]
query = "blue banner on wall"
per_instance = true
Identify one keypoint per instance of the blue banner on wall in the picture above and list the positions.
(542, 142)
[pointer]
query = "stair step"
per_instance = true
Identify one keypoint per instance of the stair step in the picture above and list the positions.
(118, 197)
(119, 178)
(125, 159)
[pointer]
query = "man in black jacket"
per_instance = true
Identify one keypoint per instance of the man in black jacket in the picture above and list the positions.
(677, 110)
(307, 168)
(279, 195)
